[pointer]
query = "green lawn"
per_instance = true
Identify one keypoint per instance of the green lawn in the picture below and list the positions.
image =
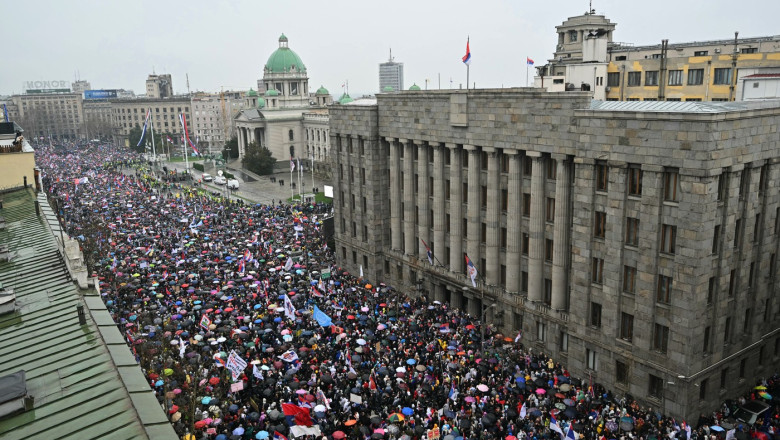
(319, 198)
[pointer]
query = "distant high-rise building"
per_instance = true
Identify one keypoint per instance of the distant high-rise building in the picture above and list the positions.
(159, 86)
(80, 86)
(391, 74)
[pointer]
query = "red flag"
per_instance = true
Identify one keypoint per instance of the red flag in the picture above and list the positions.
(371, 383)
(301, 415)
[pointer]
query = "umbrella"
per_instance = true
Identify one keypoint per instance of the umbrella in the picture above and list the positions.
(407, 411)
(540, 391)
(411, 361)
(395, 417)
(261, 435)
(339, 435)
(482, 387)
(238, 431)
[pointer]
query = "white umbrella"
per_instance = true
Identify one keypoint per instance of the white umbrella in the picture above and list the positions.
(320, 408)
(361, 341)
(400, 370)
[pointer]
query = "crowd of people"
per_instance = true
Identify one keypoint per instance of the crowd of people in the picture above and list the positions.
(246, 328)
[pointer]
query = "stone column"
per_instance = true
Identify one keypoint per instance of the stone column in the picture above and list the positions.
(473, 208)
(456, 209)
(396, 242)
(439, 207)
(423, 202)
(493, 240)
(241, 142)
(513, 218)
(561, 231)
(409, 202)
(536, 229)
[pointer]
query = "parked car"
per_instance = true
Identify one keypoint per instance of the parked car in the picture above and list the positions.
(207, 177)
(232, 183)
(220, 180)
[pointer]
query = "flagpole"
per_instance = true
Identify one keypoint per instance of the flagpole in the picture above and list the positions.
(292, 191)
(154, 151)
(526, 73)
(468, 65)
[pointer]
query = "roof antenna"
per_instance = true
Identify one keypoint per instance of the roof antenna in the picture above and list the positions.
(391, 54)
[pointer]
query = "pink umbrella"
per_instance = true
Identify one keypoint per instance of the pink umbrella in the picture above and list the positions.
(482, 387)
(300, 392)
(469, 399)
(540, 391)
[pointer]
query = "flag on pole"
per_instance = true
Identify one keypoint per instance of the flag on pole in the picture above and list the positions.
(143, 133)
(523, 411)
(467, 57)
(279, 436)
(170, 141)
(289, 308)
(570, 434)
(471, 270)
(427, 251)
(555, 427)
(292, 164)
(288, 265)
(256, 372)
(186, 135)
(529, 61)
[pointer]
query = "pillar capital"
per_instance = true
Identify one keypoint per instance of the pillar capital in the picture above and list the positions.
(469, 147)
(535, 154)
(489, 149)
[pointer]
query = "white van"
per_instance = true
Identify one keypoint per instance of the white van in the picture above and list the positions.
(232, 184)
(207, 177)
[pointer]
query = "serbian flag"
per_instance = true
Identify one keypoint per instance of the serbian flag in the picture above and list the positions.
(471, 270)
(186, 135)
(170, 141)
(427, 251)
(467, 57)
(278, 436)
(143, 133)
(529, 61)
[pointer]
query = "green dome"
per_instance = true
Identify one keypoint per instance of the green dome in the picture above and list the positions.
(322, 91)
(345, 99)
(251, 93)
(260, 102)
(272, 92)
(388, 89)
(283, 59)
(414, 87)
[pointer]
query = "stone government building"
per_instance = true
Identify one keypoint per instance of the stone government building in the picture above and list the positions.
(635, 242)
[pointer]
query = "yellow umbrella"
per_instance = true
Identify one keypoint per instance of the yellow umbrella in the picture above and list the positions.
(760, 387)
(168, 371)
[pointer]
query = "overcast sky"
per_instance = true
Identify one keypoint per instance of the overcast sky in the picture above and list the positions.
(222, 43)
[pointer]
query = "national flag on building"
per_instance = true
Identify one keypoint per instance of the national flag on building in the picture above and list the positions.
(146, 121)
(467, 57)
(427, 251)
(529, 61)
(471, 270)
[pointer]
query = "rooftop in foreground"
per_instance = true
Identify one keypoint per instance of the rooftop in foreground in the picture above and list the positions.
(82, 384)
(682, 106)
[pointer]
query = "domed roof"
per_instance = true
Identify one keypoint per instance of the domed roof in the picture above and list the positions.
(414, 87)
(345, 99)
(322, 91)
(272, 92)
(388, 89)
(251, 93)
(284, 59)
(260, 102)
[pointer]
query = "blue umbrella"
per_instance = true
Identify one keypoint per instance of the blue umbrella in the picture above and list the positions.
(411, 362)
(277, 319)
(258, 306)
(159, 383)
(221, 437)
(261, 435)
(205, 400)
(258, 321)
(407, 411)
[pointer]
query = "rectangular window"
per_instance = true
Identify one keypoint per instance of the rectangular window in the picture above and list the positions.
(524, 282)
(595, 314)
(737, 232)
(655, 387)
(727, 331)
(547, 291)
(634, 79)
(695, 77)
(722, 76)
(572, 36)
(671, 185)
(548, 250)
(706, 346)
(651, 78)
(613, 79)
(742, 368)
(743, 183)
(592, 359)
(746, 321)
(527, 205)
(632, 231)
(703, 389)
(711, 290)
(634, 180)
(550, 211)
(503, 238)
(600, 224)
(504, 200)
(483, 234)
(525, 243)
(598, 271)
(629, 279)
(528, 166)
(541, 329)
(675, 77)
(664, 291)
(464, 193)
(732, 282)
(716, 239)
(626, 327)
(757, 229)
(660, 338)
(602, 176)
(724, 377)
(668, 238)
(700, 53)
(749, 50)
(621, 372)
(483, 197)
(564, 338)
(552, 169)
(751, 274)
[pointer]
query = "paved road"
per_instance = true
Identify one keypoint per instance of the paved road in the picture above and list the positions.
(258, 189)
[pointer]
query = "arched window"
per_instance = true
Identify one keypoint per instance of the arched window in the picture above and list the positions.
(318, 135)
(290, 133)
(292, 151)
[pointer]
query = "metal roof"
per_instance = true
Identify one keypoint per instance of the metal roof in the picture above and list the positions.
(78, 390)
(681, 106)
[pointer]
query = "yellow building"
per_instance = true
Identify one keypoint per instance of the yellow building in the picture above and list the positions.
(587, 59)
(17, 159)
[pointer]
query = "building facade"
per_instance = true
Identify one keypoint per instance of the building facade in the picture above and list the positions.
(159, 86)
(275, 118)
(391, 76)
(634, 242)
(98, 119)
(59, 115)
(587, 58)
(213, 124)
(164, 115)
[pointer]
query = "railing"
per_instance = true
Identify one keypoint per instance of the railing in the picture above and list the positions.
(10, 149)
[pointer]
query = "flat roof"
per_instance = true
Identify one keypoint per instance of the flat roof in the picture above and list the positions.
(682, 106)
(72, 374)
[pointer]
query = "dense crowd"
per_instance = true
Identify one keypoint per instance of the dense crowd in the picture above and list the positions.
(246, 328)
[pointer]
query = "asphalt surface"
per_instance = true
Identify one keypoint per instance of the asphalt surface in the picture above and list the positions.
(252, 187)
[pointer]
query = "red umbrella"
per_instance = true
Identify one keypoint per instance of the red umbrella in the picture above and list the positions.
(214, 380)
(339, 435)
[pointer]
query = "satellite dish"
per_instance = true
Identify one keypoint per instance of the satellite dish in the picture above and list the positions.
(219, 173)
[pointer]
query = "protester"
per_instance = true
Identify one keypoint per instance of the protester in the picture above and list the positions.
(246, 327)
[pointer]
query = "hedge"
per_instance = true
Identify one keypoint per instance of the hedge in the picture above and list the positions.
(228, 175)
(198, 166)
